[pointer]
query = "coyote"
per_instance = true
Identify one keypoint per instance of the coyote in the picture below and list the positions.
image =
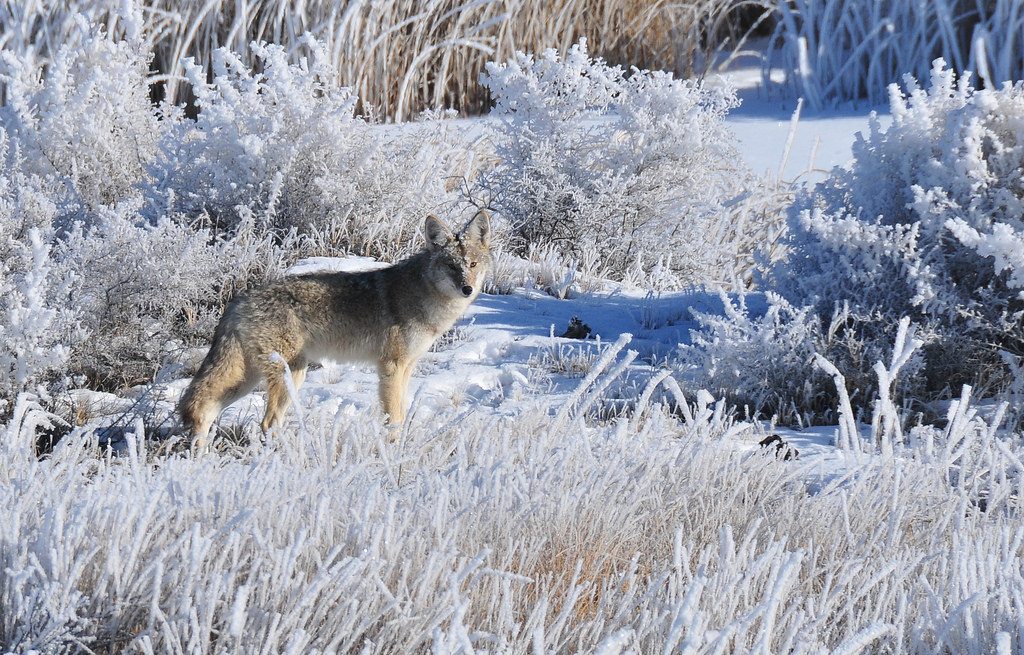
(388, 316)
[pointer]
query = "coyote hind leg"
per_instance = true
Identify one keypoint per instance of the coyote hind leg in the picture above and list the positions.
(278, 398)
(221, 380)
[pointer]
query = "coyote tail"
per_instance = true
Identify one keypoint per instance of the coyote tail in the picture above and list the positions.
(221, 367)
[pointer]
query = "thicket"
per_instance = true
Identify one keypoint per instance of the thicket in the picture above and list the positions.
(925, 224)
(132, 223)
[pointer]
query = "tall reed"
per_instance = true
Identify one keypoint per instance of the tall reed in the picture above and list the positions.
(835, 50)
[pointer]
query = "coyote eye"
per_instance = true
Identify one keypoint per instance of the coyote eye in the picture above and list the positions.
(472, 264)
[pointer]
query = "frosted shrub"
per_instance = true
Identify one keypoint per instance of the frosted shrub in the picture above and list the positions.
(35, 324)
(761, 360)
(83, 119)
(926, 223)
(284, 143)
(257, 134)
(89, 286)
(635, 163)
(35, 321)
(375, 204)
(141, 290)
(117, 298)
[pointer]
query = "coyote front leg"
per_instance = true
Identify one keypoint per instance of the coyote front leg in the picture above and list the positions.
(394, 379)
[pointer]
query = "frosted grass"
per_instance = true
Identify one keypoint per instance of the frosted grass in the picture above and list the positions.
(834, 50)
(481, 533)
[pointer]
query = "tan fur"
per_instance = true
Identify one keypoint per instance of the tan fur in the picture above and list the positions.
(389, 316)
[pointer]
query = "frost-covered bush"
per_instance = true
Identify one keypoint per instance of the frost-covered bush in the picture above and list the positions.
(762, 358)
(145, 290)
(926, 223)
(36, 323)
(281, 140)
(91, 288)
(757, 359)
(374, 205)
(257, 135)
(637, 164)
(84, 120)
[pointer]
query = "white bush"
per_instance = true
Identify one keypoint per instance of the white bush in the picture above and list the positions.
(635, 164)
(90, 286)
(84, 119)
(926, 223)
(139, 290)
(36, 323)
(760, 360)
(284, 143)
(145, 291)
(257, 133)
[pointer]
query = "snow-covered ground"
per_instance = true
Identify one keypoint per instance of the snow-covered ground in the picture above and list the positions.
(504, 356)
(763, 123)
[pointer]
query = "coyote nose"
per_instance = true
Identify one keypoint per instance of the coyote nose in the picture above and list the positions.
(467, 290)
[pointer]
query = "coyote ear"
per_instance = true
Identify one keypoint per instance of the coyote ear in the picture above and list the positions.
(479, 229)
(436, 231)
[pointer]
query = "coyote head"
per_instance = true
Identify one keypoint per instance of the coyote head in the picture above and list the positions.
(460, 260)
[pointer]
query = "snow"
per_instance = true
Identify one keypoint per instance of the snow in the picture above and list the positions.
(822, 141)
(350, 264)
(762, 123)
